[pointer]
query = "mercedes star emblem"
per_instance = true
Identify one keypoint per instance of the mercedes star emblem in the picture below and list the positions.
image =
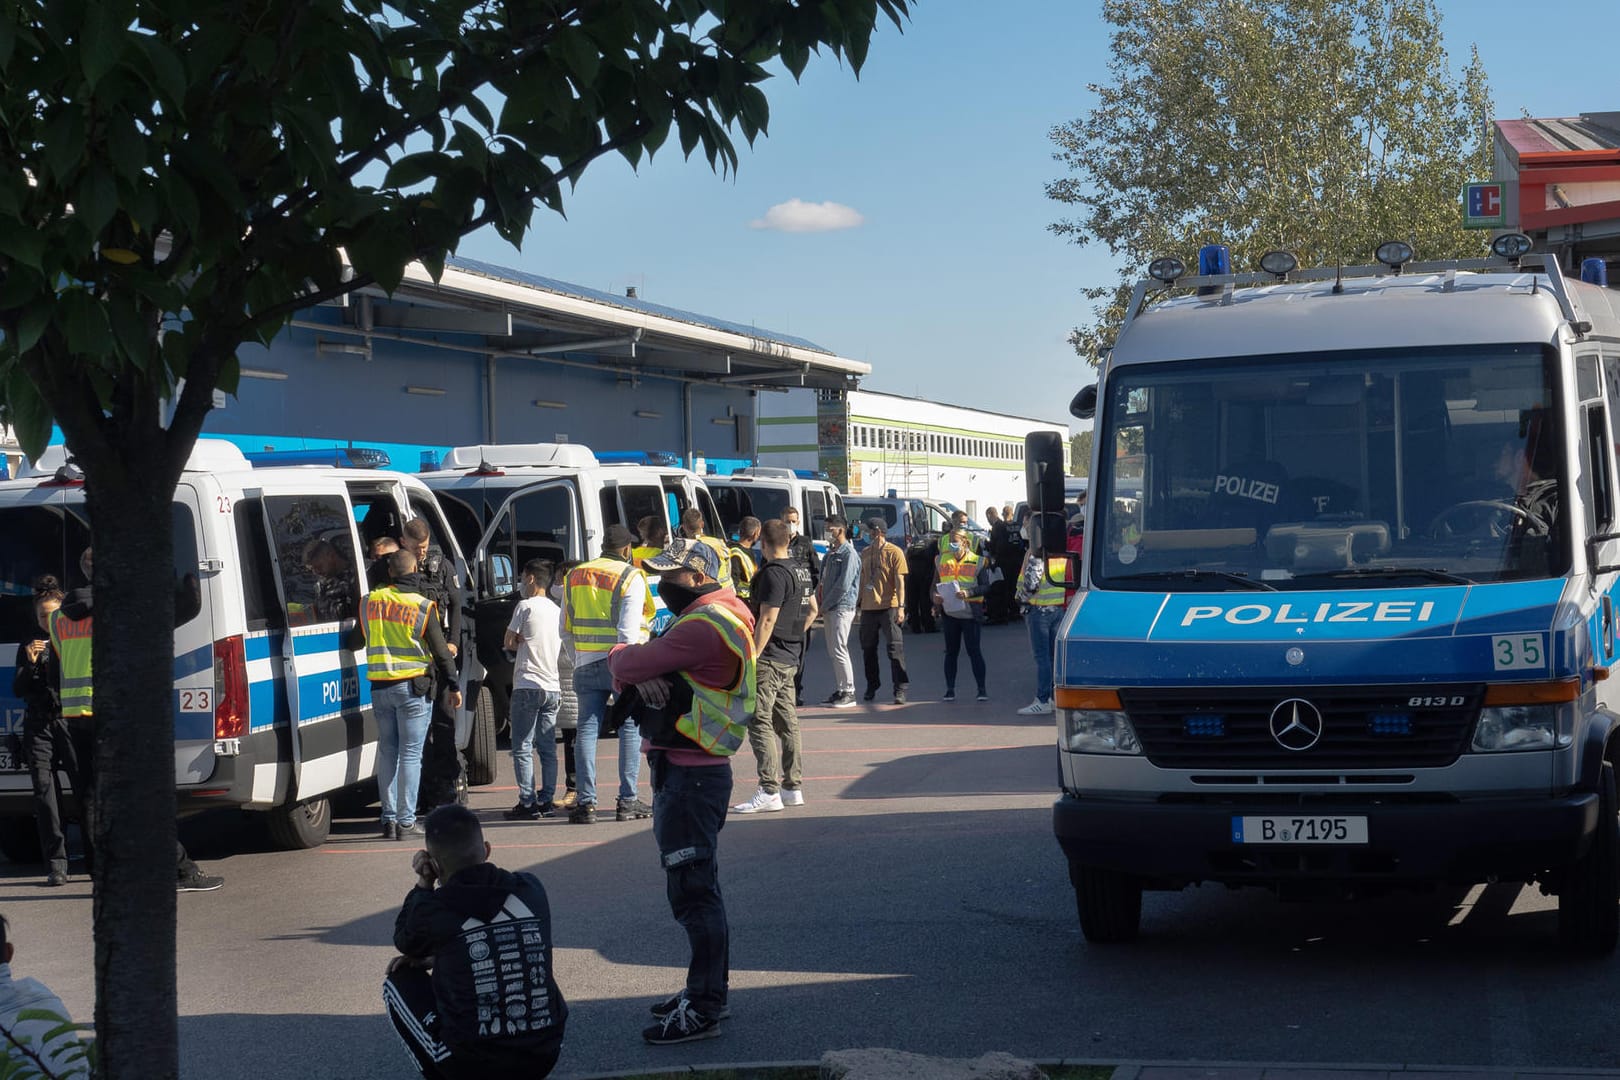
(1296, 724)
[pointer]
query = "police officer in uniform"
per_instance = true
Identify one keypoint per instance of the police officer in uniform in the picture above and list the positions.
(443, 778)
(72, 629)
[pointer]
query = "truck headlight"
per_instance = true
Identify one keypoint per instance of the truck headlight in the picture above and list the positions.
(1517, 727)
(1097, 731)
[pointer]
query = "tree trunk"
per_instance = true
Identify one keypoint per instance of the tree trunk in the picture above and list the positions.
(131, 527)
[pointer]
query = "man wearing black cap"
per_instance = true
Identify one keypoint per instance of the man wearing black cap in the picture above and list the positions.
(606, 602)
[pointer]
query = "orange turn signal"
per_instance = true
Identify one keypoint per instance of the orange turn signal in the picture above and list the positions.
(1079, 697)
(1533, 693)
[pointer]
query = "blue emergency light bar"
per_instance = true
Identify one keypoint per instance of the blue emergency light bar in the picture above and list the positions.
(343, 457)
(664, 458)
(1595, 272)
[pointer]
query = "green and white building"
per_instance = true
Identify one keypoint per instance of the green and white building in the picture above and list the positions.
(869, 443)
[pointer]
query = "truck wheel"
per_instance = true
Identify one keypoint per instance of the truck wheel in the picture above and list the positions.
(301, 825)
(19, 840)
(481, 749)
(1109, 902)
(1589, 902)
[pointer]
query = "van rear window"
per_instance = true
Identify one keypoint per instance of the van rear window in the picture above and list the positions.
(40, 540)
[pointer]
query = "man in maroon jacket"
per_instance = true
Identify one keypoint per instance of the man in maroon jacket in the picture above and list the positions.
(696, 684)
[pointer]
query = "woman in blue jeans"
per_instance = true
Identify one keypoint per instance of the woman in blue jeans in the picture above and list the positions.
(1046, 601)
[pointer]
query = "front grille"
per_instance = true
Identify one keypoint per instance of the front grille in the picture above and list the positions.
(1363, 727)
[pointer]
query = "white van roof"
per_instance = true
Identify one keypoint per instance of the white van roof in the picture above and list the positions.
(518, 455)
(208, 455)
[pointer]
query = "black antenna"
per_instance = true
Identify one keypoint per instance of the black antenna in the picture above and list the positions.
(1338, 240)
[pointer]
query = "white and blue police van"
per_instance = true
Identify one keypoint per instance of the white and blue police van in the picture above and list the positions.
(272, 705)
(1346, 611)
(766, 492)
(509, 503)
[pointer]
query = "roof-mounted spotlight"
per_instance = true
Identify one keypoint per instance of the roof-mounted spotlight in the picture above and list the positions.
(1394, 254)
(1279, 263)
(1167, 269)
(1511, 245)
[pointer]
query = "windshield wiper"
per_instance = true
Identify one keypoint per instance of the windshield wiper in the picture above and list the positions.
(1229, 576)
(1428, 573)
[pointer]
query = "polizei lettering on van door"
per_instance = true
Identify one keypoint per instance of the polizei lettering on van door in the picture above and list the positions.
(1328, 611)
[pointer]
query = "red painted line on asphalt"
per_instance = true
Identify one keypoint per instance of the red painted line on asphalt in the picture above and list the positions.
(399, 849)
(894, 727)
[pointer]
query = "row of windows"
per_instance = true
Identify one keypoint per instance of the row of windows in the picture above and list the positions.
(870, 436)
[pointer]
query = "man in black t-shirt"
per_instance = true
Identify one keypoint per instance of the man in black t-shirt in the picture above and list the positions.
(784, 602)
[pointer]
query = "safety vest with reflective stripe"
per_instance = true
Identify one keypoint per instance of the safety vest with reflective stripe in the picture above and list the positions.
(395, 623)
(593, 598)
(748, 570)
(718, 718)
(963, 573)
(724, 555)
(71, 639)
(1050, 595)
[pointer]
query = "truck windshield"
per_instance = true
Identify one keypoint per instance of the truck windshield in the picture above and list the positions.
(1338, 470)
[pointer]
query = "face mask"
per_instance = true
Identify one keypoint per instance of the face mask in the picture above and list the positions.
(793, 528)
(678, 597)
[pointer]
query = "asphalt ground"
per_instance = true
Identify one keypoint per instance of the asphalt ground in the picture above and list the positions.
(917, 901)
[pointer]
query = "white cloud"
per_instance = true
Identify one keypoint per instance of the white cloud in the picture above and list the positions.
(798, 216)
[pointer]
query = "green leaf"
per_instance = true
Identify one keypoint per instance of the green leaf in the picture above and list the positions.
(84, 319)
(64, 141)
(580, 56)
(27, 413)
(230, 375)
(101, 39)
(95, 199)
(31, 327)
(22, 243)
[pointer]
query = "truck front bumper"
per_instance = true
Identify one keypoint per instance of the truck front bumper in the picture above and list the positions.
(1174, 844)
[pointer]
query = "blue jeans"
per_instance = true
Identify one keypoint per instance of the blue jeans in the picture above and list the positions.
(402, 727)
(592, 686)
(1042, 621)
(689, 810)
(534, 717)
(957, 633)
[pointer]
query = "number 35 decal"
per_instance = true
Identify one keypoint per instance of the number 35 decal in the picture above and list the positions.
(1519, 652)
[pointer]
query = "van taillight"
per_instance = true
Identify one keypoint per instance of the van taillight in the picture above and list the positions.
(230, 688)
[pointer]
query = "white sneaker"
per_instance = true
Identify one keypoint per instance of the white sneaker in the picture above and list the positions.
(794, 797)
(1036, 708)
(762, 802)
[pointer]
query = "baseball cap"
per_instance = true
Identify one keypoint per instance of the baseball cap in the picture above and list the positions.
(615, 537)
(876, 524)
(684, 554)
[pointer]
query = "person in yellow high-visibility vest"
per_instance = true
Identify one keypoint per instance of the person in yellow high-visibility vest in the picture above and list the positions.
(1041, 585)
(962, 606)
(72, 630)
(744, 556)
(692, 526)
(403, 640)
(700, 678)
(606, 602)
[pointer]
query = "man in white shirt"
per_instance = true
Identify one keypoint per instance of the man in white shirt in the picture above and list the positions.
(535, 634)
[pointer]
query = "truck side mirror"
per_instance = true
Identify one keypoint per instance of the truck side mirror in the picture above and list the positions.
(1084, 404)
(1043, 474)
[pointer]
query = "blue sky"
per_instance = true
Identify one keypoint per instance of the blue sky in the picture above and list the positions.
(950, 287)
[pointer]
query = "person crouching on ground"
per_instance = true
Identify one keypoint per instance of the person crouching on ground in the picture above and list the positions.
(490, 1009)
(699, 679)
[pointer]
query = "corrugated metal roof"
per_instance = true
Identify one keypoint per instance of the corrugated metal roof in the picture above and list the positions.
(581, 292)
(1557, 135)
